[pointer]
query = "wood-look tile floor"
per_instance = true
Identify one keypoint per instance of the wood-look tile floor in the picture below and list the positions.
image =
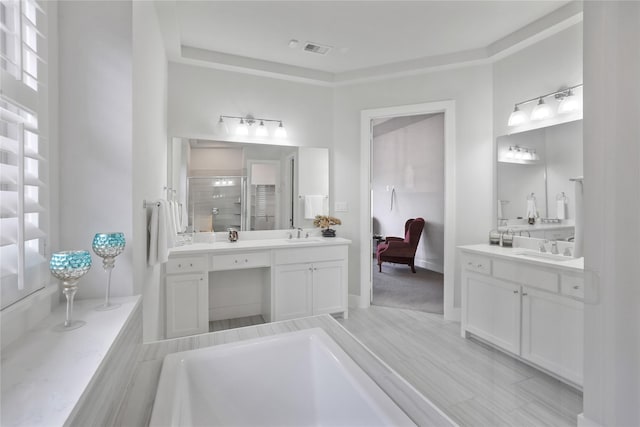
(239, 322)
(471, 382)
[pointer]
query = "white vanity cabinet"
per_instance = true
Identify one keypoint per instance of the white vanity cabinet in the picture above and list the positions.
(186, 296)
(532, 310)
(310, 281)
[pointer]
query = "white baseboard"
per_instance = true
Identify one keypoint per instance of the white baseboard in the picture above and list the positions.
(234, 311)
(586, 422)
(454, 314)
(430, 265)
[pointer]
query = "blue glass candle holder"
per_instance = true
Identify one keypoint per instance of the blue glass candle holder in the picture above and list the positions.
(108, 246)
(70, 266)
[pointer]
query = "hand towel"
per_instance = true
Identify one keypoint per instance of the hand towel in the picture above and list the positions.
(313, 205)
(161, 235)
(561, 209)
(531, 208)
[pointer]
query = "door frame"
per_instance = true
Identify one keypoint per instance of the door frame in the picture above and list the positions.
(366, 224)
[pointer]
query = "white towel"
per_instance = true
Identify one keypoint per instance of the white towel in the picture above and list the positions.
(161, 233)
(500, 214)
(313, 205)
(561, 209)
(175, 216)
(532, 211)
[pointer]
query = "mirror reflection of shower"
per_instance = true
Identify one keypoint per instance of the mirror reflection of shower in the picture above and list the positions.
(215, 202)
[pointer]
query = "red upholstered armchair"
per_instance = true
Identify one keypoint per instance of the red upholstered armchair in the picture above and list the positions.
(399, 250)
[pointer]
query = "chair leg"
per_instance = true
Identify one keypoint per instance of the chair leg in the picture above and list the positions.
(380, 267)
(413, 268)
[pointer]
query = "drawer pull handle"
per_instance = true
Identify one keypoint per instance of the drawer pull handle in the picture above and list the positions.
(576, 287)
(310, 269)
(470, 263)
(236, 261)
(524, 294)
(246, 260)
(515, 292)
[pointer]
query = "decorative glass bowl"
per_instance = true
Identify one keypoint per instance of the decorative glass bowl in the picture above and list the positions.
(70, 266)
(108, 246)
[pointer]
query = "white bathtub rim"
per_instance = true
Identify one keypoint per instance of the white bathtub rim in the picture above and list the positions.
(164, 404)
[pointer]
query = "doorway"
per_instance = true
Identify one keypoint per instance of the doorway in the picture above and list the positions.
(407, 182)
(366, 199)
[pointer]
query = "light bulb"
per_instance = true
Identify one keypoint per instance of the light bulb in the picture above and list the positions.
(569, 104)
(541, 111)
(510, 153)
(281, 132)
(517, 117)
(242, 129)
(262, 130)
(518, 155)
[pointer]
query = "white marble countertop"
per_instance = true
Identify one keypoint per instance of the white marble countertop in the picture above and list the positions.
(257, 244)
(45, 372)
(573, 264)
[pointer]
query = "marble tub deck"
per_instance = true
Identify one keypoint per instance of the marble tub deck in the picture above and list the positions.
(138, 402)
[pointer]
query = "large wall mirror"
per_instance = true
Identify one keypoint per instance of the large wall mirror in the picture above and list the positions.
(537, 166)
(247, 186)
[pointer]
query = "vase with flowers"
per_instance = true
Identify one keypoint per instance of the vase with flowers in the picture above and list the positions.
(325, 222)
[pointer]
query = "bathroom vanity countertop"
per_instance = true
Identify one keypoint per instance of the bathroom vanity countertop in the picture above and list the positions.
(46, 372)
(138, 402)
(535, 227)
(573, 264)
(253, 244)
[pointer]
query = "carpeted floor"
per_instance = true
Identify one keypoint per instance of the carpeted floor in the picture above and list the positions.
(398, 287)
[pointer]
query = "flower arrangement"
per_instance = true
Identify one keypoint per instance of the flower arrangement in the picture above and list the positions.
(324, 221)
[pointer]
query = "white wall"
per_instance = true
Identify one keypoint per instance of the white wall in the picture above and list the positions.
(149, 152)
(612, 209)
(95, 135)
(471, 89)
(198, 96)
(411, 160)
(539, 69)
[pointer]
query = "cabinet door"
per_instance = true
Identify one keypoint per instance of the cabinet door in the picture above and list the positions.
(552, 333)
(187, 304)
(293, 291)
(328, 287)
(491, 310)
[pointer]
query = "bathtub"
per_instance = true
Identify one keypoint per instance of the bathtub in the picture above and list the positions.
(300, 378)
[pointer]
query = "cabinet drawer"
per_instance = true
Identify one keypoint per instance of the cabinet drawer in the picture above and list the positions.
(302, 255)
(240, 260)
(521, 273)
(572, 285)
(186, 265)
(476, 263)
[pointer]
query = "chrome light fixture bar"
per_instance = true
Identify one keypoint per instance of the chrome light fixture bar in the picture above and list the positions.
(245, 124)
(568, 104)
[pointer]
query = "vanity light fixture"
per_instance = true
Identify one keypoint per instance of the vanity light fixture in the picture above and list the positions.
(569, 103)
(541, 111)
(245, 125)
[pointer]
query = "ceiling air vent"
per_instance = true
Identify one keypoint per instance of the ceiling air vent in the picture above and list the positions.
(316, 48)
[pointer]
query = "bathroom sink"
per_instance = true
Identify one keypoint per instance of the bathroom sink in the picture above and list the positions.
(544, 255)
(301, 240)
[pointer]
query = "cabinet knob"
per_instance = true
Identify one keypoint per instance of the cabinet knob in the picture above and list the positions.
(191, 265)
(524, 294)
(310, 269)
(201, 279)
(515, 292)
(246, 260)
(469, 263)
(236, 261)
(314, 269)
(179, 265)
(576, 287)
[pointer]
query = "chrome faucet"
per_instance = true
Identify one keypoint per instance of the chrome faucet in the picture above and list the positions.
(543, 249)
(299, 231)
(554, 247)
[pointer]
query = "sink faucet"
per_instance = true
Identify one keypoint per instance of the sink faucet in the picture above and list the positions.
(554, 247)
(543, 249)
(299, 231)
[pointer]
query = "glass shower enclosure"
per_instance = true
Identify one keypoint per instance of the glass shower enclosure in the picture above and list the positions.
(216, 203)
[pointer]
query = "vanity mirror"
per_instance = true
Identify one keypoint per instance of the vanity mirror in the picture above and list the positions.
(533, 171)
(247, 186)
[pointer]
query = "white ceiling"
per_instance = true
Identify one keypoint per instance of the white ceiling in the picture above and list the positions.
(363, 34)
